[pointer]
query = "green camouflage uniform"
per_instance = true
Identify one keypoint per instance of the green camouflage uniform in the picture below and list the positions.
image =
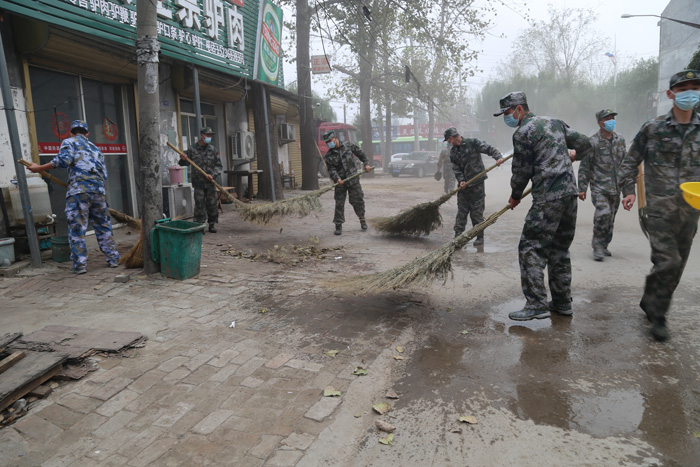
(341, 165)
(540, 155)
(671, 155)
(466, 163)
(601, 170)
(205, 195)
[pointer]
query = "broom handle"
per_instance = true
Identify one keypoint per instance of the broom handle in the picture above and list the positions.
(46, 175)
(219, 187)
(353, 176)
(479, 175)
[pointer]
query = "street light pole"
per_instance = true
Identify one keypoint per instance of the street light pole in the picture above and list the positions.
(692, 25)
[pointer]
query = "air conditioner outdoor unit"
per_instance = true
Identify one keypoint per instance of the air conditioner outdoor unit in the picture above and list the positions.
(244, 146)
(178, 201)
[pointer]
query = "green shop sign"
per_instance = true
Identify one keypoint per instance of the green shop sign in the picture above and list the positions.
(216, 34)
(269, 53)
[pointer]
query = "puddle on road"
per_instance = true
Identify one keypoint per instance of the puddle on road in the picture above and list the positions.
(506, 325)
(618, 411)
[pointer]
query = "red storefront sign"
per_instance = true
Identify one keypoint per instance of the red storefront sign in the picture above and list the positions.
(111, 148)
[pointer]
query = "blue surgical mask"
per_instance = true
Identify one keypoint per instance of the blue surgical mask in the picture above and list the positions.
(207, 139)
(331, 144)
(510, 121)
(609, 125)
(686, 100)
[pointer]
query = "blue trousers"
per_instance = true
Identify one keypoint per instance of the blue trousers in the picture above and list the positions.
(80, 208)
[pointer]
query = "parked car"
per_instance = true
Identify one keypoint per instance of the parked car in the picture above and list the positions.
(398, 156)
(418, 163)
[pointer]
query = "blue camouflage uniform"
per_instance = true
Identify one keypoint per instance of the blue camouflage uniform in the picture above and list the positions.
(85, 198)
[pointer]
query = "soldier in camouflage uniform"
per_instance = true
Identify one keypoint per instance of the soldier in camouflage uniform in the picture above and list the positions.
(669, 146)
(465, 157)
(540, 155)
(85, 196)
(448, 174)
(206, 156)
(600, 170)
(341, 165)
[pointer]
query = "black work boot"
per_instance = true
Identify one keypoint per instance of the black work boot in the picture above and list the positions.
(212, 229)
(338, 229)
(659, 330)
(479, 241)
(363, 224)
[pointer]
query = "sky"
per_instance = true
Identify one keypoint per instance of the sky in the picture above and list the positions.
(630, 39)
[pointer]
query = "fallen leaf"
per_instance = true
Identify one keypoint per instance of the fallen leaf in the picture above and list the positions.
(399, 349)
(358, 415)
(449, 309)
(331, 392)
(53, 385)
(468, 419)
(465, 332)
(391, 394)
(388, 440)
(359, 371)
(696, 434)
(398, 357)
(456, 429)
(98, 287)
(381, 408)
(384, 426)
(332, 353)
(263, 310)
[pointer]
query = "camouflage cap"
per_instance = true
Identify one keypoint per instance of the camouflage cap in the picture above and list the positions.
(604, 113)
(452, 131)
(329, 135)
(511, 100)
(78, 124)
(206, 131)
(683, 76)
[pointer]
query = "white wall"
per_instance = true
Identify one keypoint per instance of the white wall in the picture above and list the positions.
(677, 45)
(7, 166)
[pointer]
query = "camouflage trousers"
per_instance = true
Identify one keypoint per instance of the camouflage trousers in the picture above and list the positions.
(604, 218)
(470, 202)
(671, 236)
(93, 207)
(547, 235)
(206, 204)
(357, 200)
(448, 177)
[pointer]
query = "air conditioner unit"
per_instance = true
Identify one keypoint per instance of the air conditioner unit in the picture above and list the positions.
(245, 144)
(178, 201)
(287, 133)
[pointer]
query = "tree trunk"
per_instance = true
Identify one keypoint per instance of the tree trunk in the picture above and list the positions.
(307, 130)
(265, 185)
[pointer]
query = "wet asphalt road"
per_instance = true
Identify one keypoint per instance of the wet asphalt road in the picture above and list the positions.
(592, 389)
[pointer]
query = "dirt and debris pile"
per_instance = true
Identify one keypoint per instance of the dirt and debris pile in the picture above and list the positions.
(287, 254)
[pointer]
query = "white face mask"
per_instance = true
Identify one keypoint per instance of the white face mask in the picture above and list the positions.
(207, 139)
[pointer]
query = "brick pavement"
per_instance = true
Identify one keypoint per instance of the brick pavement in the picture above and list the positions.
(201, 392)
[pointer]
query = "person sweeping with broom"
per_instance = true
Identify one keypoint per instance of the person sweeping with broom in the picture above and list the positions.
(541, 155)
(85, 196)
(206, 156)
(465, 156)
(341, 166)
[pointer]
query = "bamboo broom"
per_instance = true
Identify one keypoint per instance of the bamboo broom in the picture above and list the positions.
(134, 258)
(425, 269)
(422, 218)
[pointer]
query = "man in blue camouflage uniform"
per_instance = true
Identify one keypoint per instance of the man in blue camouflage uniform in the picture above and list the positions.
(341, 165)
(206, 156)
(669, 146)
(541, 155)
(601, 170)
(85, 197)
(465, 157)
(445, 171)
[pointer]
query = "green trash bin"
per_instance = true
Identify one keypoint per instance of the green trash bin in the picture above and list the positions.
(177, 246)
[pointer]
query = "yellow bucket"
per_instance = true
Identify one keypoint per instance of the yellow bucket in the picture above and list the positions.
(691, 193)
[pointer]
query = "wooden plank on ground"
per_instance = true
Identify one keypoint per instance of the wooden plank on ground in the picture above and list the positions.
(8, 338)
(11, 360)
(33, 370)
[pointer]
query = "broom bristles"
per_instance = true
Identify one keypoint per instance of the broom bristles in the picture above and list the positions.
(134, 258)
(417, 220)
(299, 206)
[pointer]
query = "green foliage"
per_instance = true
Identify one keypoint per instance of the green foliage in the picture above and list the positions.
(695, 61)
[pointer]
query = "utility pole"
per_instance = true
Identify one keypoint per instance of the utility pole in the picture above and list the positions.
(147, 48)
(9, 104)
(309, 153)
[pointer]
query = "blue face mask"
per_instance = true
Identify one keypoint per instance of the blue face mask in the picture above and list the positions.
(686, 100)
(331, 144)
(510, 121)
(207, 139)
(609, 125)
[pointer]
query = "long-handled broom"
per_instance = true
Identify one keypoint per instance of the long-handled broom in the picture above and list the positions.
(134, 258)
(425, 269)
(425, 217)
